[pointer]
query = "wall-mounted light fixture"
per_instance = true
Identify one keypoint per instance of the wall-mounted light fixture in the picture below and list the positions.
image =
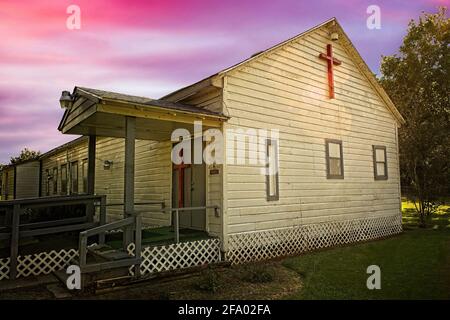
(66, 100)
(334, 34)
(107, 164)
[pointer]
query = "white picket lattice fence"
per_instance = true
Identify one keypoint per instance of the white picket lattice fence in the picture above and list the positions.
(155, 259)
(178, 255)
(39, 263)
(243, 247)
(4, 268)
(262, 245)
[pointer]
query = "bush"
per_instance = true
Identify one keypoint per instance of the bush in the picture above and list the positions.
(209, 281)
(258, 273)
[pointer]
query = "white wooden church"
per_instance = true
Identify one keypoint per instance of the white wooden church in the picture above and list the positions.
(335, 176)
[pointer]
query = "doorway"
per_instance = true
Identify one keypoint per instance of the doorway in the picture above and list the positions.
(189, 190)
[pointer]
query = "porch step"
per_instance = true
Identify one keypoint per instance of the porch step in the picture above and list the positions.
(107, 253)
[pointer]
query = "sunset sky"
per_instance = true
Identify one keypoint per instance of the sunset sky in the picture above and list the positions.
(151, 48)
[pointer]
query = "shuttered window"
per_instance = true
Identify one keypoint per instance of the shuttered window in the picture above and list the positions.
(380, 163)
(55, 181)
(84, 170)
(48, 181)
(74, 177)
(334, 159)
(64, 179)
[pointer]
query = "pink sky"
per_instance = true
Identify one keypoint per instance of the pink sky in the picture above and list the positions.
(151, 48)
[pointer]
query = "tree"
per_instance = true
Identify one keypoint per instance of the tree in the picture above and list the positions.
(25, 155)
(418, 81)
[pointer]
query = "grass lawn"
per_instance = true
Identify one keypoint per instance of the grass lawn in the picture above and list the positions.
(414, 265)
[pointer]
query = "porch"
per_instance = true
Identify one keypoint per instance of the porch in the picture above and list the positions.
(185, 209)
(184, 199)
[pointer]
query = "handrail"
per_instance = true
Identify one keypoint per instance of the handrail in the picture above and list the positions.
(15, 209)
(133, 220)
(183, 209)
(107, 227)
(162, 203)
(49, 200)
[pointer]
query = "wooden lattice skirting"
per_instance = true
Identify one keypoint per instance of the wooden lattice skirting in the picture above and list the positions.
(178, 256)
(262, 245)
(243, 247)
(155, 259)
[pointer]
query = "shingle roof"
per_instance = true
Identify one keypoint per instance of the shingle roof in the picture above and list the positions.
(115, 96)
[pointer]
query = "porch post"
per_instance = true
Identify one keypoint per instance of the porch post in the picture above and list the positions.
(91, 176)
(130, 136)
(91, 165)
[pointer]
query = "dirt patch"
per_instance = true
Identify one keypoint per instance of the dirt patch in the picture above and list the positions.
(33, 293)
(230, 285)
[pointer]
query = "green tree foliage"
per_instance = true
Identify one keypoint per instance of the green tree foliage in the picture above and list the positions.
(418, 81)
(25, 155)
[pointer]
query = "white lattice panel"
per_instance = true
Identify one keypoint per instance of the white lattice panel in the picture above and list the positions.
(177, 256)
(44, 262)
(4, 268)
(262, 245)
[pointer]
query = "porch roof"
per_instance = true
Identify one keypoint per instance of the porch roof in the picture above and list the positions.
(103, 113)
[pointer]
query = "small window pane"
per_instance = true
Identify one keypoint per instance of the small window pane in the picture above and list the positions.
(335, 166)
(334, 150)
(380, 169)
(273, 183)
(380, 155)
(272, 171)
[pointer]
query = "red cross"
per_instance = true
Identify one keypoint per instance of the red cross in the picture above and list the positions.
(330, 61)
(181, 167)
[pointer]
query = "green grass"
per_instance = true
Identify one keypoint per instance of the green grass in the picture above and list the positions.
(414, 265)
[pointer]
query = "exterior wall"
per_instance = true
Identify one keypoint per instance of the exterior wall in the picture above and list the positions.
(76, 152)
(153, 174)
(210, 99)
(288, 90)
(152, 177)
(8, 184)
(27, 180)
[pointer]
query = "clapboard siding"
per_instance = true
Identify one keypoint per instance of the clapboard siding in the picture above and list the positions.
(7, 184)
(153, 178)
(210, 99)
(153, 172)
(214, 197)
(65, 156)
(287, 90)
(27, 181)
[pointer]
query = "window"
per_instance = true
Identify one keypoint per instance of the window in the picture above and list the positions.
(64, 179)
(334, 159)
(380, 163)
(84, 169)
(74, 177)
(6, 185)
(272, 178)
(48, 179)
(55, 180)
